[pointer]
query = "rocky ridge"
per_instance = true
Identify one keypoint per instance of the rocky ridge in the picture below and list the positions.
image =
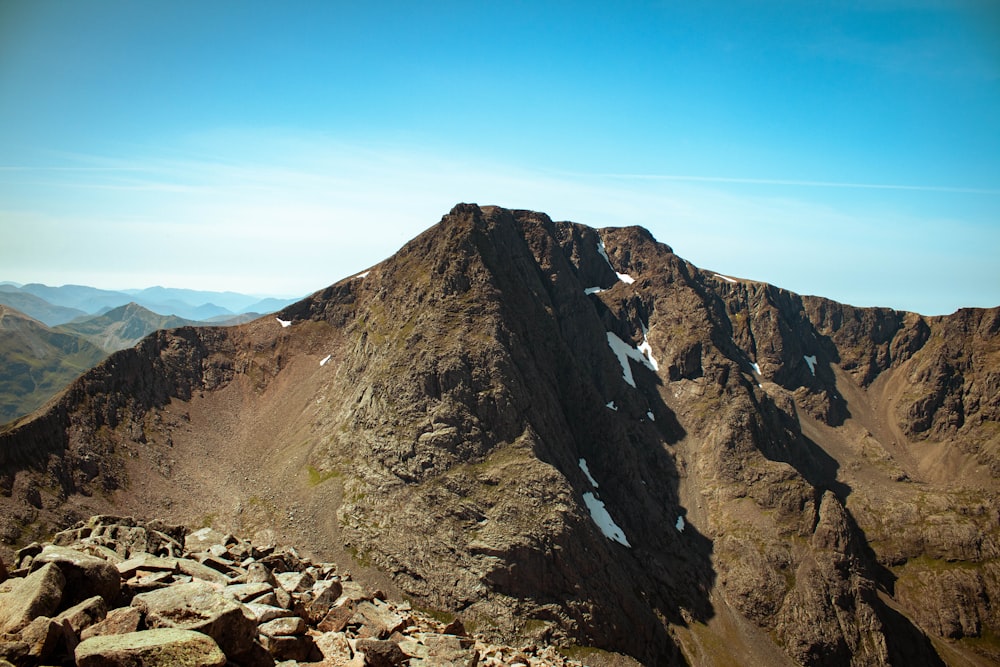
(572, 436)
(116, 592)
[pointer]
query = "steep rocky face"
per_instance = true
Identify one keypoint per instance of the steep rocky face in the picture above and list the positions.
(573, 434)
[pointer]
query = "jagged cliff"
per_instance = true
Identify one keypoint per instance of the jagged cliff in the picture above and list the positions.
(573, 434)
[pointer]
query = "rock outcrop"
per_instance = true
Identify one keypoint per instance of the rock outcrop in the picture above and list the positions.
(570, 436)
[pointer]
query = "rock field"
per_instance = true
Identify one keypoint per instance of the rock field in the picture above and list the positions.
(115, 592)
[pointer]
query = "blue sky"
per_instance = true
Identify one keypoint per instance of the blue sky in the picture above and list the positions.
(846, 149)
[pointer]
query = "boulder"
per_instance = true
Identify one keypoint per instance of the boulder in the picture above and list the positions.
(23, 600)
(265, 612)
(376, 619)
(163, 647)
(84, 614)
(86, 575)
(324, 596)
(286, 626)
(380, 653)
(257, 573)
(146, 562)
(295, 582)
(45, 638)
(300, 648)
(337, 618)
(193, 568)
(198, 606)
(119, 621)
(201, 540)
(247, 592)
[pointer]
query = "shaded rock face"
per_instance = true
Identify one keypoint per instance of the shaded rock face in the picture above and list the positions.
(575, 435)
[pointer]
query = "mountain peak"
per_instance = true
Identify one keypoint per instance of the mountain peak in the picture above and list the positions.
(570, 433)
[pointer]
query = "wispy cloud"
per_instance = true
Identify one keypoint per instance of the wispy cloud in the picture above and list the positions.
(802, 183)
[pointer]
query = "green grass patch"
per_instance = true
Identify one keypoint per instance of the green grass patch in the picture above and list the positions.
(317, 476)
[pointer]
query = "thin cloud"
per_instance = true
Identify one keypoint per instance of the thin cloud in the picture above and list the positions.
(801, 183)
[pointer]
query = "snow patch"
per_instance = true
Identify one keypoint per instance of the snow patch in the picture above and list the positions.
(624, 352)
(586, 471)
(284, 323)
(680, 524)
(602, 251)
(649, 413)
(325, 359)
(611, 406)
(726, 278)
(599, 513)
(811, 361)
(593, 290)
(647, 350)
(361, 275)
(756, 368)
(624, 277)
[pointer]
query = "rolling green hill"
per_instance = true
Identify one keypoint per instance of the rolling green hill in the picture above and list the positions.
(37, 362)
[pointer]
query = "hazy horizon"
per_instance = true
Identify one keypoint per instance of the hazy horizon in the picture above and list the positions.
(848, 152)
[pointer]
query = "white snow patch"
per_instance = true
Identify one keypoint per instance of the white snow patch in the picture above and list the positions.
(726, 278)
(602, 251)
(593, 290)
(599, 513)
(624, 277)
(361, 275)
(624, 351)
(811, 361)
(647, 350)
(284, 323)
(680, 524)
(611, 406)
(756, 368)
(652, 417)
(325, 359)
(586, 471)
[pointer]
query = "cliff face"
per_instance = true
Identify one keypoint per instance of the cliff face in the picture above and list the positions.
(573, 434)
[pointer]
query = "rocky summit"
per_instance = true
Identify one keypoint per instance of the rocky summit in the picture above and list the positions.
(563, 437)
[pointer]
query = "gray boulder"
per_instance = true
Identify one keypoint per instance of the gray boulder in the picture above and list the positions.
(164, 647)
(86, 575)
(23, 600)
(198, 606)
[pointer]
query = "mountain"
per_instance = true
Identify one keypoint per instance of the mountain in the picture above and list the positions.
(36, 362)
(122, 327)
(572, 436)
(79, 297)
(39, 361)
(58, 305)
(230, 302)
(37, 307)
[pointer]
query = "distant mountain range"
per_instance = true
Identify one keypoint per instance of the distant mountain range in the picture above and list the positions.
(50, 335)
(58, 305)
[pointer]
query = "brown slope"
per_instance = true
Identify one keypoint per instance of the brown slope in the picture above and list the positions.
(36, 361)
(467, 376)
